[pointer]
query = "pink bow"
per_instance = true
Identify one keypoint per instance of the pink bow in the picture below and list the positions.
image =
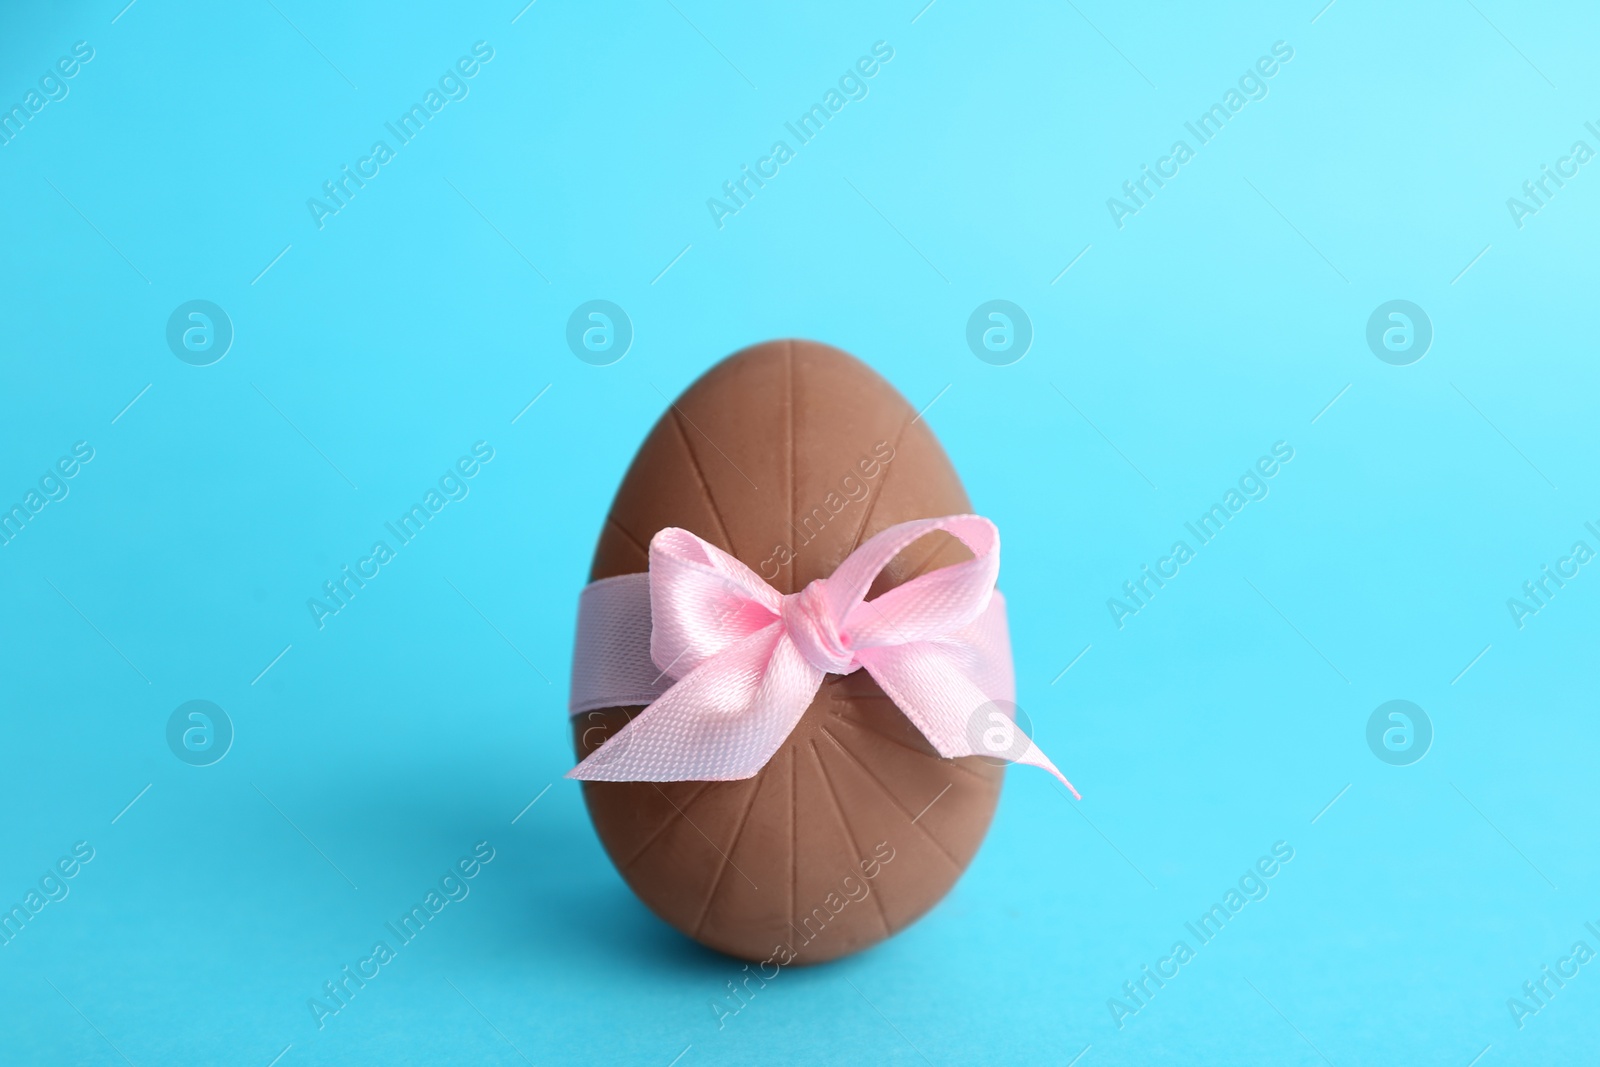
(728, 665)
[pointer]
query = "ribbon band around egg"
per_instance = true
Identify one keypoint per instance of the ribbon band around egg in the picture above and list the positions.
(726, 665)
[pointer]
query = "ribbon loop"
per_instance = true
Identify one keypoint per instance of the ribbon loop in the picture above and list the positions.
(738, 663)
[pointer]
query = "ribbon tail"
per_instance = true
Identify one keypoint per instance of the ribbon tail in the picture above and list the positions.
(1033, 757)
(926, 680)
(721, 722)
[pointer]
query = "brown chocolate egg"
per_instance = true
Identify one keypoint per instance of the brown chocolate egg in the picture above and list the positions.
(787, 456)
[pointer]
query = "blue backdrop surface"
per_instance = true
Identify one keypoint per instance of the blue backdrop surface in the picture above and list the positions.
(271, 272)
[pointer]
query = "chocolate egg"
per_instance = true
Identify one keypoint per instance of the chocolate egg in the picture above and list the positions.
(788, 455)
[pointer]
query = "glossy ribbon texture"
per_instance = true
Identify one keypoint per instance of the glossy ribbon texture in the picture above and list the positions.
(727, 665)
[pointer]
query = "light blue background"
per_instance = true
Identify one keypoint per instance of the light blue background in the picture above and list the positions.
(1224, 317)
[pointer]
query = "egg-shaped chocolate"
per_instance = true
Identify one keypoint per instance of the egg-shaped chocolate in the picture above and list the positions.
(787, 456)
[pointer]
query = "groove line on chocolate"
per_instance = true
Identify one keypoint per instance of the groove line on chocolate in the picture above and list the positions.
(893, 741)
(956, 764)
(788, 413)
(733, 845)
(665, 823)
(705, 486)
(625, 532)
(873, 498)
(685, 417)
(710, 842)
(844, 824)
(937, 844)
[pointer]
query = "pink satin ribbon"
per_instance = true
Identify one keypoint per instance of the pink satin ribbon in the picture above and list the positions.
(727, 665)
